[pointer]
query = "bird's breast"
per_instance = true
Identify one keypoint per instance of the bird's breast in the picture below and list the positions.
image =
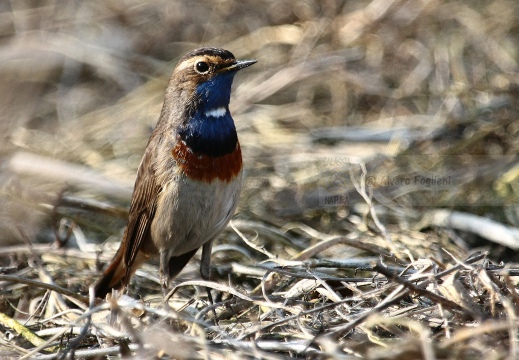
(206, 168)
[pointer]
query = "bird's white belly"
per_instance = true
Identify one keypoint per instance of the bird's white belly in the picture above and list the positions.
(190, 213)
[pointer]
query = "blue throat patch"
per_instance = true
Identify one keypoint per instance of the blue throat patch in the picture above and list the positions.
(211, 135)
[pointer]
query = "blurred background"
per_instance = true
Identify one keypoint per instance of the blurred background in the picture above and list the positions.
(418, 99)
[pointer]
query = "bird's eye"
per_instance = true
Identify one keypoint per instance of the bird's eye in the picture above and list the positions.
(201, 67)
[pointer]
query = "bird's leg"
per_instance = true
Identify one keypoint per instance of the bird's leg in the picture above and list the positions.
(205, 265)
(164, 272)
(205, 271)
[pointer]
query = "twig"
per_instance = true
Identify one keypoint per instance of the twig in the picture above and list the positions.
(484, 227)
(361, 189)
(327, 243)
(251, 243)
(208, 284)
(417, 289)
(93, 205)
(42, 285)
(22, 330)
(62, 171)
(394, 298)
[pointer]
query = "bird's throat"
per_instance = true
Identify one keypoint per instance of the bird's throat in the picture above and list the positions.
(210, 132)
(207, 148)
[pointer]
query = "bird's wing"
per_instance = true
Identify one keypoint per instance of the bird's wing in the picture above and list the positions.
(142, 208)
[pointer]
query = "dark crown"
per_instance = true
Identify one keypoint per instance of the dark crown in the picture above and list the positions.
(210, 51)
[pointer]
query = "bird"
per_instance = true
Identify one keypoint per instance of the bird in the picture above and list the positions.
(190, 177)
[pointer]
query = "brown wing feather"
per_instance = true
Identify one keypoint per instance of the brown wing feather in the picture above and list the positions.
(142, 210)
(136, 244)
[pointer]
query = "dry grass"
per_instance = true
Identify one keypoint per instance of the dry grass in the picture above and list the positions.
(379, 217)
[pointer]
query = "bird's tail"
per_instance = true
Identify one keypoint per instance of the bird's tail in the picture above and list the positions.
(118, 273)
(114, 277)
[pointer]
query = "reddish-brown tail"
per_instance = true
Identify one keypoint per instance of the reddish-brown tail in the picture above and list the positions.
(117, 275)
(114, 277)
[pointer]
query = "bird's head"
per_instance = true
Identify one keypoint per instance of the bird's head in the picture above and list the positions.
(197, 100)
(206, 74)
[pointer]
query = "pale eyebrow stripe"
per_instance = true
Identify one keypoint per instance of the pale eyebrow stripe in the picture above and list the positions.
(185, 64)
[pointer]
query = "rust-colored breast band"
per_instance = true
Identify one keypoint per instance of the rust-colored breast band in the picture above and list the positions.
(205, 168)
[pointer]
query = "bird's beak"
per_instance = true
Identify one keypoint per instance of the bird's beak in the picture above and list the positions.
(238, 65)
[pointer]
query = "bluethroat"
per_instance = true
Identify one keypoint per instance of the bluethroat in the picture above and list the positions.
(189, 179)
